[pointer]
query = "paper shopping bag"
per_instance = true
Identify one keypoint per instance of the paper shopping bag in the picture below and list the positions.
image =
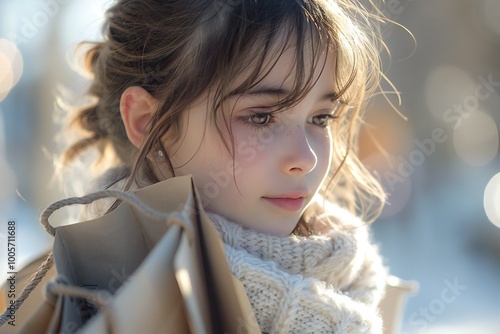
(152, 273)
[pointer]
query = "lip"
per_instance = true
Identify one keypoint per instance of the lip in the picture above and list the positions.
(288, 202)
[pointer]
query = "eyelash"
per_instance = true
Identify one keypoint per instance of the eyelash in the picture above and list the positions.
(328, 117)
(269, 117)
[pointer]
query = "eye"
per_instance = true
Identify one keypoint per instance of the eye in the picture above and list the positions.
(321, 120)
(258, 119)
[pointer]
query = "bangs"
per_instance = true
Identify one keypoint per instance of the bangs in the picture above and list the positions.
(310, 33)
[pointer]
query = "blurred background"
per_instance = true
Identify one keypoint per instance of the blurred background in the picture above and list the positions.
(441, 166)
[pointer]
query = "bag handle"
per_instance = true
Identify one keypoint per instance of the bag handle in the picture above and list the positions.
(121, 195)
(176, 218)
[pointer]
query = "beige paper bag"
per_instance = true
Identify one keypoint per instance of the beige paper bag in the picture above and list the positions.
(149, 273)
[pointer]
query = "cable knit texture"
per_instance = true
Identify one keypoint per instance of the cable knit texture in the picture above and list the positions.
(328, 283)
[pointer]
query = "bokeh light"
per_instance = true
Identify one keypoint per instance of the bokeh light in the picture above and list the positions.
(476, 139)
(446, 86)
(11, 67)
(492, 200)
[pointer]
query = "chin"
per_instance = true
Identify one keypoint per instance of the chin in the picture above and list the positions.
(281, 230)
(269, 224)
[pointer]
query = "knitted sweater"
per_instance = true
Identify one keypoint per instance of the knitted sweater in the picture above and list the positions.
(329, 283)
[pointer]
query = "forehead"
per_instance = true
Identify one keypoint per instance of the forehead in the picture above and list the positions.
(288, 66)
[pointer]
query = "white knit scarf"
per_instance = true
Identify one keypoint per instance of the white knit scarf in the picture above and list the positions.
(328, 283)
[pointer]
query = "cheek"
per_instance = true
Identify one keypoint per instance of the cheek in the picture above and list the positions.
(200, 157)
(252, 148)
(323, 150)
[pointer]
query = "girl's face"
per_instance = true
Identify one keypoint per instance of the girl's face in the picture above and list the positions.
(280, 160)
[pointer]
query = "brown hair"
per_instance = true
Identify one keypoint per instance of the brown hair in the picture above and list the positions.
(180, 49)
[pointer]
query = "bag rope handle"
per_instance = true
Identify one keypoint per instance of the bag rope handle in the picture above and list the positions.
(40, 273)
(87, 199)
(176, 218)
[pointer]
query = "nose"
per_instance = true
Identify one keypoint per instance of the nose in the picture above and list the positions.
(299, 157)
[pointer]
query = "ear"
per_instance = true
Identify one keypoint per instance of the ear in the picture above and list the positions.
(137, 107)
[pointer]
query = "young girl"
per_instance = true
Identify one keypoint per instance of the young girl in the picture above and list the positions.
(261, 102)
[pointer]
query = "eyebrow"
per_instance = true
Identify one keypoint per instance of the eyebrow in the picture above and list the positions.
(276, 92)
